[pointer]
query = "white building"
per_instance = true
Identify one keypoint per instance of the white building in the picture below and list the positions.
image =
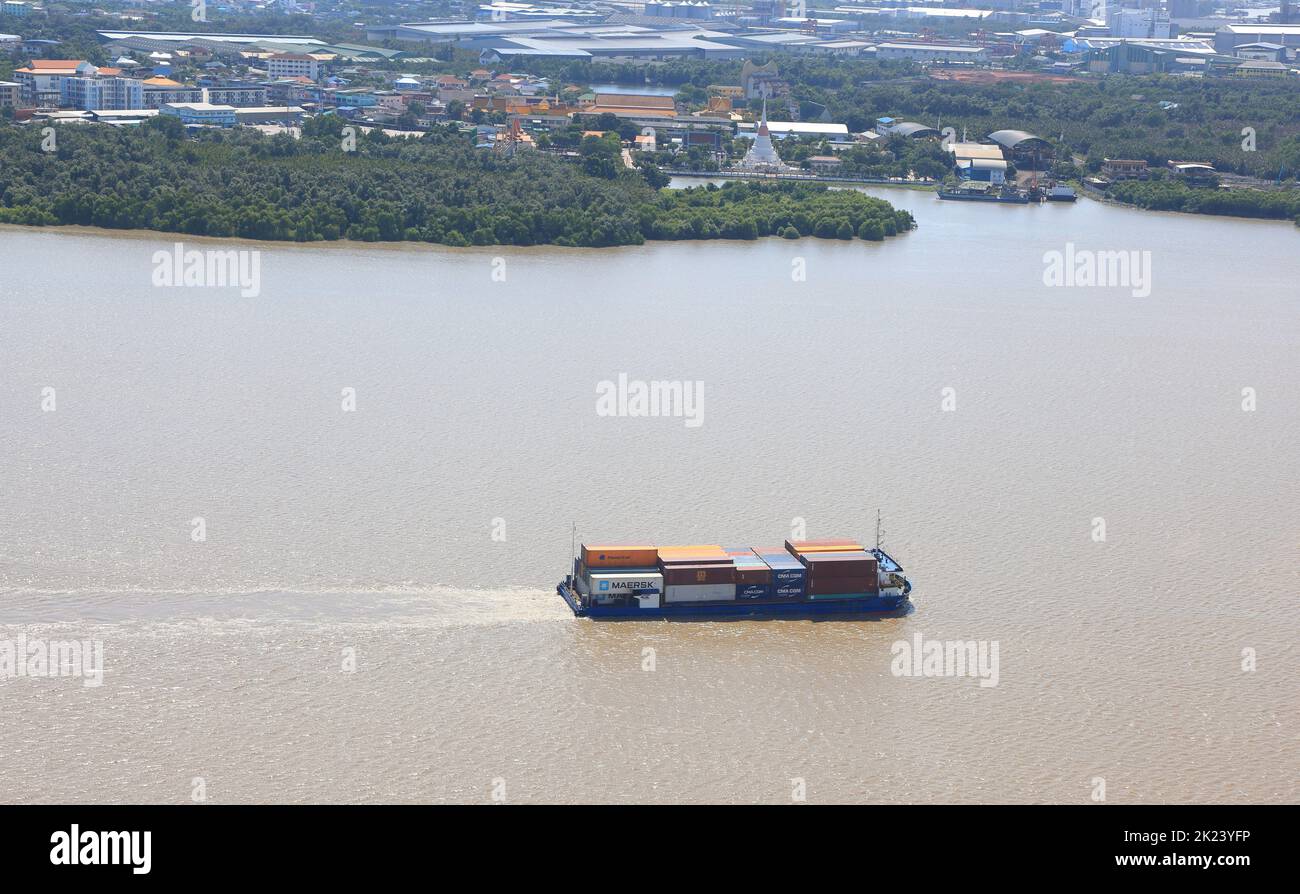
(292, 65)
(41, 81)
(204, 113)
(94, 93)
(926, 52)
(160, 91)
(238, 95)
(1126, 22)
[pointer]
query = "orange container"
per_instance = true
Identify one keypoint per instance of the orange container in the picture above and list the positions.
(699, 549)
(619, 556)
(696, 553)
(798, 547)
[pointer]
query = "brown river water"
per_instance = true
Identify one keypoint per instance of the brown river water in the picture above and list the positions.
(300, 602)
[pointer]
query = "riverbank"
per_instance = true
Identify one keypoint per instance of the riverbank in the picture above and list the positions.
(437, 190)
(802, 178)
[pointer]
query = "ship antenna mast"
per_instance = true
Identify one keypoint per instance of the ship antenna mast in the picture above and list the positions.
(878, 531)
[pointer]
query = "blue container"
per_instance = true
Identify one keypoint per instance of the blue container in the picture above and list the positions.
(753, 591)
(789, 576)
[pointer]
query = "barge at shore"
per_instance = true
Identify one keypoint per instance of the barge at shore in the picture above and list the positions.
(802, 578)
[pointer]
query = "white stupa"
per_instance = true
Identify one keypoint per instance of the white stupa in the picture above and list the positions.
(762, 155)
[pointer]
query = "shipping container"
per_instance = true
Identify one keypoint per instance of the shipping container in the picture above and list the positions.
(839, 563)
(759, 575)
(797, 547)
(823, 586)
(677, 575)
(753, 591)
(618, 582)
(835, 556)
(701, 593)
(743, 556)
(783, 562)
(618, 556)
(690, 549)
(693, 555)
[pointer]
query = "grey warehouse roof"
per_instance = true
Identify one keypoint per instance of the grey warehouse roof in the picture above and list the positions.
(1013, 138)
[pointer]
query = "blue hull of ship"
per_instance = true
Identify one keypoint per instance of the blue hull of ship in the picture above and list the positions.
(870, 605)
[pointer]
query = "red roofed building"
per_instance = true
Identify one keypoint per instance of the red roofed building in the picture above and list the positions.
(41, 80)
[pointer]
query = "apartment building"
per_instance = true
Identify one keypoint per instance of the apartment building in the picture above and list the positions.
(292, 65)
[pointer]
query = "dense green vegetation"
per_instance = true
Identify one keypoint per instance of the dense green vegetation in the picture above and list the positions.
(437, 188)
(1116, 116)
(1172, 195)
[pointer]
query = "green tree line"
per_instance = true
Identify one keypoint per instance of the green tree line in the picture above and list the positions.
(437, 188)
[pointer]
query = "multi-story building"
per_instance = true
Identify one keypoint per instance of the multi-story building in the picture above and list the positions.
(16, 8)
(10, 91)
(106, 89)
(160, 91)
(238, 95)
(292, 65)
(1125, 22)
(41, 80)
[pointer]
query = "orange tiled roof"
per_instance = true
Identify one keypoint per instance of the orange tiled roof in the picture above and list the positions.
(37, 64)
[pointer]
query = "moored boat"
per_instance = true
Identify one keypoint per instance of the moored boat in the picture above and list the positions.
(979, 192)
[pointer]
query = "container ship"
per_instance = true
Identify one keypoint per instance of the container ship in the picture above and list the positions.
(808, 577)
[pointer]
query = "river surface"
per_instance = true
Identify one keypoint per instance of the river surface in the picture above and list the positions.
(306, 603)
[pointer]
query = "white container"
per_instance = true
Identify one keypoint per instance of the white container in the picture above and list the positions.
(700, 593)
(606, 585)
